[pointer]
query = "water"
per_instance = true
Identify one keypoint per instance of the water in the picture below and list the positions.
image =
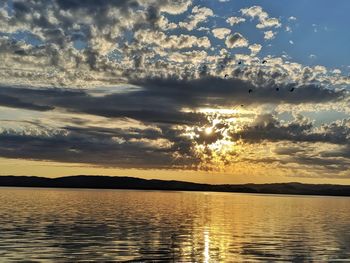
(70, 225)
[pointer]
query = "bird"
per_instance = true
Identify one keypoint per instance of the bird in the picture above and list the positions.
(277, 89)
(226, 75)
(264, 61)
(242, 105)
(291, 90)
(239, 62)
(250, 91)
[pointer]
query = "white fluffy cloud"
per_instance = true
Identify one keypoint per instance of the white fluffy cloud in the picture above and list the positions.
(268, 35)
(234, 20)
(199, 15)
(269, 22)
(221, 33)
(263, 17)
(165, 41)
(236, 40)
(255, 49)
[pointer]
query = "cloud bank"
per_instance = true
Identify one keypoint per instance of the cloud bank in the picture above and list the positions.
(156, 84)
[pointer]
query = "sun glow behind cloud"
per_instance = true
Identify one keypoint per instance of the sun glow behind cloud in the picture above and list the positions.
(213, 143)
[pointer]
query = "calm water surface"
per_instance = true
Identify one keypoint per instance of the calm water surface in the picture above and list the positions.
(157, 226)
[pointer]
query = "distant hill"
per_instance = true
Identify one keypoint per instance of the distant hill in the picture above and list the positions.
(116, 182)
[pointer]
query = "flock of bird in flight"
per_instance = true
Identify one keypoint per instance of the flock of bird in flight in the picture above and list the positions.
(251, 90)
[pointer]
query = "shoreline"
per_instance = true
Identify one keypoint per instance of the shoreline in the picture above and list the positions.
(132, 183)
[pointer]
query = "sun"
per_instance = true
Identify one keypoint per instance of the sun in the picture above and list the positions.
(212, 141)
(208, 130)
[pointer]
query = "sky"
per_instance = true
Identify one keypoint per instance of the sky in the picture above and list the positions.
(217, 91)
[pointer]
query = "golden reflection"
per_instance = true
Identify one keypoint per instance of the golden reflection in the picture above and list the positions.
(206, 251)
(201, 227)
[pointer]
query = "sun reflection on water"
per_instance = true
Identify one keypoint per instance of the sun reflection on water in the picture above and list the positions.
(206, 251)
(147, 226)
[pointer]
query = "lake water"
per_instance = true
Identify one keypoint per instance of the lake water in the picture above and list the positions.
(159, 226)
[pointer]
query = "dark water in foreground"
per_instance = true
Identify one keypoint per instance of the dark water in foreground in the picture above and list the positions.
(69, 225)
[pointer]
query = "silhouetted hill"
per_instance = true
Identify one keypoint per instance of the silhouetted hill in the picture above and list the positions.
(109, 182)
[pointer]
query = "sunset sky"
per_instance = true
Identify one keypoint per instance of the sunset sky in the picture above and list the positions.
(217, 91)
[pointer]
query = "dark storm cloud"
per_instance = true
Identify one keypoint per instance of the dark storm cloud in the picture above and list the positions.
(13, 102)
(159, 103)
(215, 91)
(331, 160)
(162, 100)
(106, 147)
(298, 142)
(72, 149)
(94, 5)
(142, 105)
(268, 128)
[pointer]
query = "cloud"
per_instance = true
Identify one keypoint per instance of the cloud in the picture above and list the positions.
(221, 33)
(269, 22)
(171, 95)
(263, 17)
(268, 35)
(312, 56)
(171, 41)
(99, 25)
(236, 40)
(199, 15)
(234, 20)
(336, 71)
(289, 29)
(13, 102)
(133, 77)
(255, 49)
(297, 143)
(81, 145)
(159, 105)
(300, 129)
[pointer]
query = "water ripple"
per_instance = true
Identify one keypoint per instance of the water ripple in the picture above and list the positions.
(156, 226)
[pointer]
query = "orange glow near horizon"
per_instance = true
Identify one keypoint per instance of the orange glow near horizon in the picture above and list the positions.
(222, 160)
(53, 169)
